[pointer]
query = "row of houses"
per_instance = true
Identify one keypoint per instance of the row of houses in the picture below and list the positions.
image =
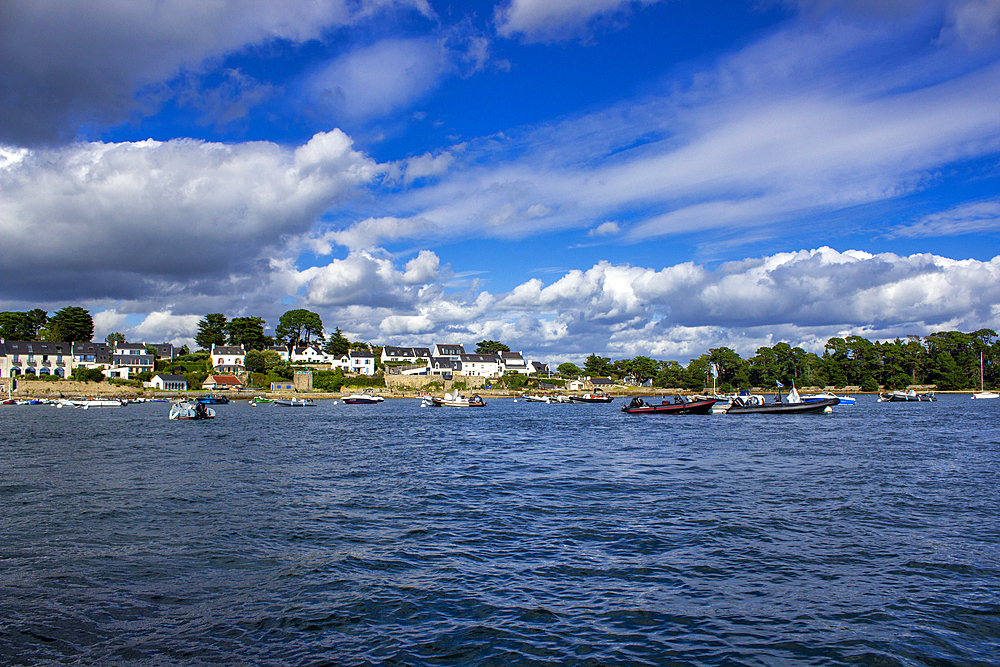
(448, 360)
(117, 360)
(230, 359)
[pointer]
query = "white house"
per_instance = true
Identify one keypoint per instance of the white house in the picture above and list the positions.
(165, 382)
(132, 356)
(310, 354)
(448, 351)
(512, 362)
(362, 362)
(35, 358)
(410, 355)
(228, 359)
(480, 365)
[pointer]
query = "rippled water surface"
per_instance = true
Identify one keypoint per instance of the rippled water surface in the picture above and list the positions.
(517, 533)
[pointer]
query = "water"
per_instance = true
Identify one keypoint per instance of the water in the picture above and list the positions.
(514, 534)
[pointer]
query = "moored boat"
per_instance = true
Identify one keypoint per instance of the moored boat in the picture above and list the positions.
(844, 400)
(187, 410)
(679, 406)
(366, 397)
(982, 394)
(453, 400)
(746, 404)
(596, 396)
(96, 402)
(910, 396)
(213, 399)
(295, 402)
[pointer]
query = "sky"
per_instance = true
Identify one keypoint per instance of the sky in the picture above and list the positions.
(568, 177)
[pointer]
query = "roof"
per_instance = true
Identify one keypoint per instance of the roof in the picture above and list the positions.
(601, 381)
(512, 355)
(223, 349)
(130, 346)
(480, 358)
(360, 354)
(103, 348)
(392, 351)
(166, 377)
(36, 347)
(223, 379)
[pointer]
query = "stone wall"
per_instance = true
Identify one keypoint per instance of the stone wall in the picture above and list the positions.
(418, 382)
(69, 388)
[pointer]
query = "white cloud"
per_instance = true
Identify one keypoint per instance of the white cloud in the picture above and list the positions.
(551, 20)
(115, 220)
(605, 229)
(969, 218)
(165, 327)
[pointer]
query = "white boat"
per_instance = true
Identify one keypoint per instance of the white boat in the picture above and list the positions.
(534, 399)
(185, 410)
(822, 396)
(295, 402)
(364, 398)
(96, 403)
(982, 393)
(454, 400)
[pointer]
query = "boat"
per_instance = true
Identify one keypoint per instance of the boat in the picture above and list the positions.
(455, 400)
(295, 402)
(95, 403)
(822, 396)
(596, 396)
(213, 399)
(910, 396)
(679, 406)
(746, 404)
(534, 399)
(982, 393)
(185, 410)
(364, 398)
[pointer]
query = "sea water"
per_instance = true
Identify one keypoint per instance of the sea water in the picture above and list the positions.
(518, 533)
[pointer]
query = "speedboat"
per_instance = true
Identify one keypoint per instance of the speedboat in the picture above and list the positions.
(96, 403)
(295, 402)
(534, 399)
(910, 396)
(596, 396)
(454, 400)
(364, 398)
(679, 406)
(844, 400)
(793, 404)
(213, 399)
(186, 410)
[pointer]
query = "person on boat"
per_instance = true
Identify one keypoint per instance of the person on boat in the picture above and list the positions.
(679, 400)
(636, 402)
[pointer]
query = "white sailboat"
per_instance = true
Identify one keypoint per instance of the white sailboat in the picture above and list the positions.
(982, 391)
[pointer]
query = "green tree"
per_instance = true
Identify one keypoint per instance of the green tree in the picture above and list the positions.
(596, 366)
(567, 369)
(255, 361)
(248, 332)
(71, 324)
(338, 345)
(16, 325)
(212, 330)
(299, 327)
(115, 337)
(669, 374)
(641, 368)
(490, 347)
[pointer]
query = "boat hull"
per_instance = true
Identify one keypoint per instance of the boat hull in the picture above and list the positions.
(783, 408)
(906, 398)
(692, 408)
(591, 399)
(295, 404)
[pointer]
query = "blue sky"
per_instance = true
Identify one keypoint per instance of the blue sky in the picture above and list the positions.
(566, 176)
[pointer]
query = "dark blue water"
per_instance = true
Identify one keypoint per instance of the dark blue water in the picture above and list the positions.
(513, 534)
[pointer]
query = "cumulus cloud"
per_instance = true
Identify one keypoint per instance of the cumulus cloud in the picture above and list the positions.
(120, 220)
(62, 63)
(674, 312)
(551, 20)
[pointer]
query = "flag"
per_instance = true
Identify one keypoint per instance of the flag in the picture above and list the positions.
(713, 370)
(779, 385)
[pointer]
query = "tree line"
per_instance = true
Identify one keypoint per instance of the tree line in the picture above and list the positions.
(948, 359)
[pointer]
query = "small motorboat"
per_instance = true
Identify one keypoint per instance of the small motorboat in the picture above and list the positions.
(679, 406)
(596, 396)
(96, 403)
(453, 400)
(756, 404)
(364, 398)
(186, 410)
(534, 399)
(213, 399)
(295, 402)
(844, 400)
(910, 396)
